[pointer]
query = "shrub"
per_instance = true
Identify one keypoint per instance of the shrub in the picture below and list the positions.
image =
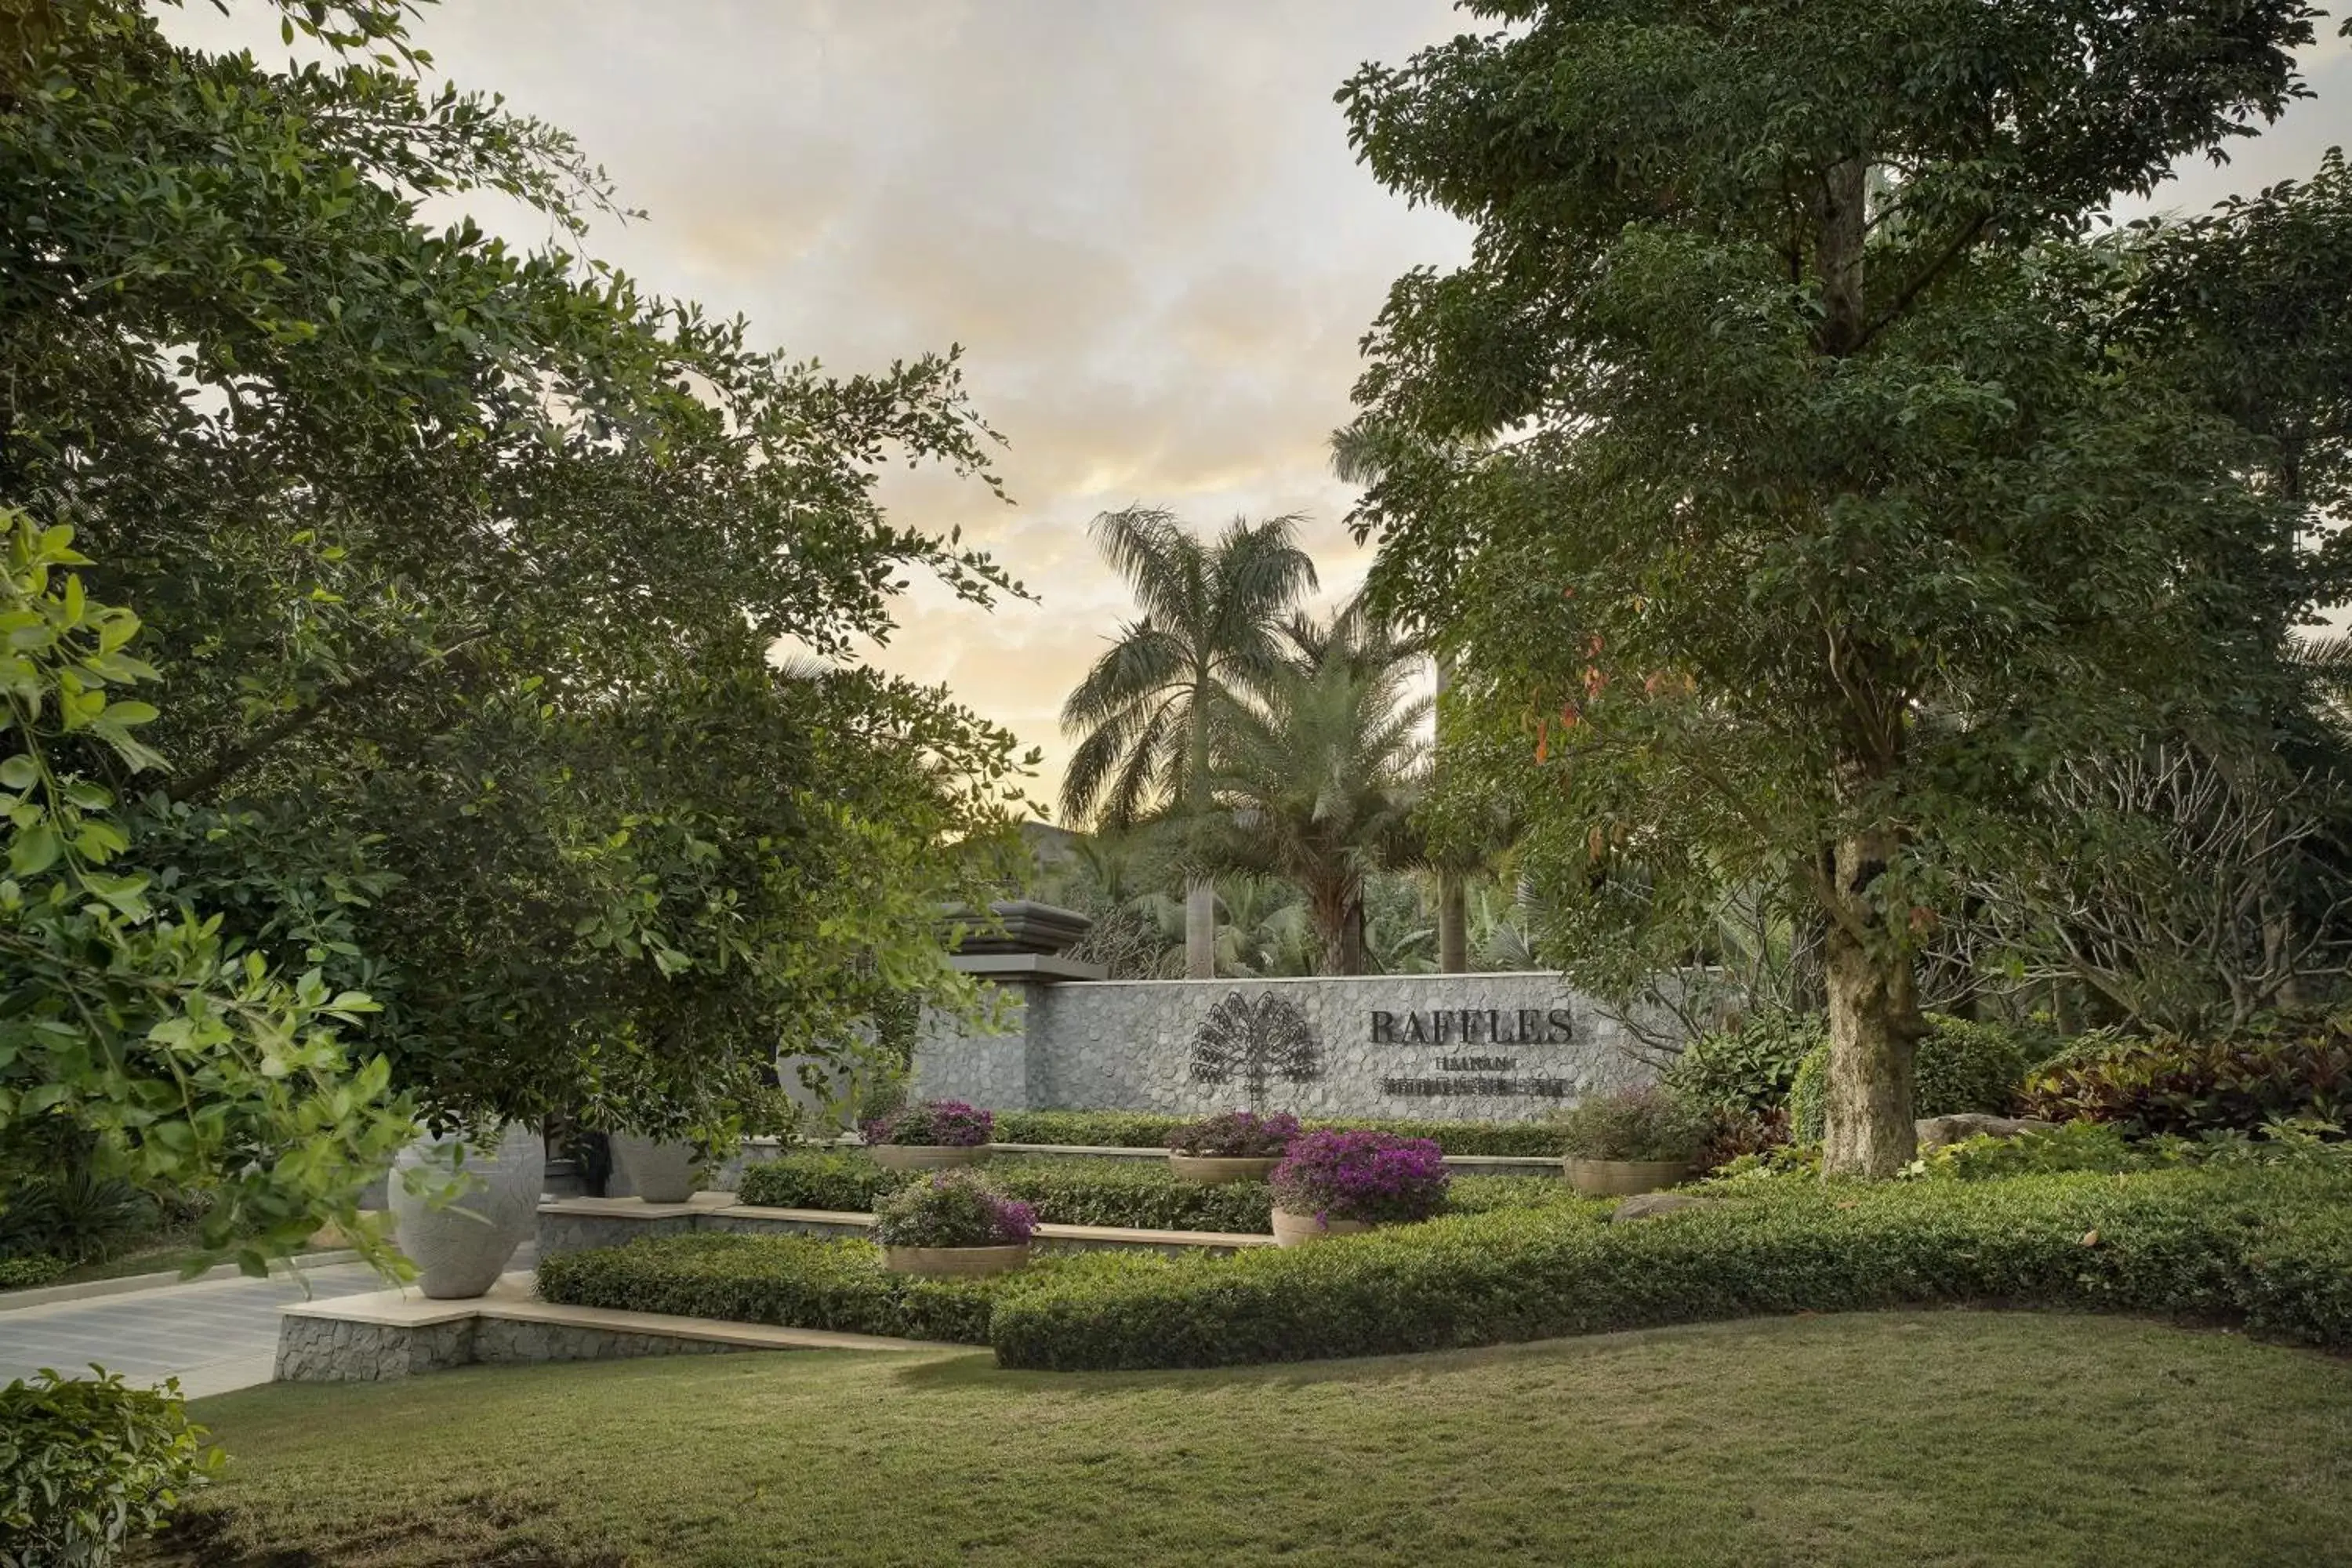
(2103, 1147)
(1749, 1068)
(1742, 1134)
(1135, 1193)
(2269, 1249)
(75, 1215)
(29, 1268)
(1647, 1123)
(933, 1123)
(794, 1281)
(1961, 1066)
(2170, 1085)
(952, 1209)
(1372, 1176)
(1236, 1135)
(87, 1465)
(1146, 1129)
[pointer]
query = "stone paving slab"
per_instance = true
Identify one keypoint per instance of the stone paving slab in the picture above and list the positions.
(202, 1333)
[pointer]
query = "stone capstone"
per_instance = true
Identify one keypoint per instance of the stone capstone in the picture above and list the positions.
(1936, 1132)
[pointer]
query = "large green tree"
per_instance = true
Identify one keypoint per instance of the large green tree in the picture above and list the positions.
(1143, 717)
(460, 566)
(1778, 469)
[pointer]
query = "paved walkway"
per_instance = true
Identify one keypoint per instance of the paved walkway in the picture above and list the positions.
(214, 1335)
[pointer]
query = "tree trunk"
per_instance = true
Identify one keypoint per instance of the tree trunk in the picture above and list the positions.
(1200, 928)
(1336, 913)
(1452, 924)
(1452, 906)
(1873, 1023)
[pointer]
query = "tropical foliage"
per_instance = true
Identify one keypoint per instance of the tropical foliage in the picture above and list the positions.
(1793, 485)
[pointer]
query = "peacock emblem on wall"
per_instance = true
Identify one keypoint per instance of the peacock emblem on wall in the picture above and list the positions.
(1255, 1044)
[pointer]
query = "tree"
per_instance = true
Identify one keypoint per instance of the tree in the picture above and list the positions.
(1780, 470)
(1144, 713)
(461, 565)
(1316, 777)
(134, 1037)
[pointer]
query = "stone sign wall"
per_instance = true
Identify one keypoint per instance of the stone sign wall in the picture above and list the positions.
(1489, 1047)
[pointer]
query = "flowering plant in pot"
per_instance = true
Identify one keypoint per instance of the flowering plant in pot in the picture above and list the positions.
(1334, 1183)
(1236, 1146)
(930, 1135)
(1635, 1141)
(953, 1223)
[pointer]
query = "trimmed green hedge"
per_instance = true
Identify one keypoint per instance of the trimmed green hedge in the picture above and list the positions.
(793, 1282)
(2273, 1250)
(1076, 1190)
(1138, 1129)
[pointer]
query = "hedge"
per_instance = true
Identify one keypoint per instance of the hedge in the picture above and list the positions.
(1963, 1066)
(2269, 1249)
(1141, 1129)
(793, 1282)
(1076, 1190)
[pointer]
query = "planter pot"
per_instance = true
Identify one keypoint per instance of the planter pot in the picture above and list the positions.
(461, 1248)
(926, 1156)
(658, 1170)
(955, 1262)
(1212, 1169)
(1623, 1178)
(1299, 1229)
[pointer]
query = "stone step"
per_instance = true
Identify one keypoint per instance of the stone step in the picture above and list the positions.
(385, 1335)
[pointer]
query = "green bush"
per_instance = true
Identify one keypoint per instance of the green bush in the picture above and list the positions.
(1143, 1129)
(1963, 1067)
(2270, 1248)
(87, 1465)
(2175, 1086)
(794, 1281)
(1650, 1123)
(1751, 1067)
(29, 1268)
(2103, 1147)
(1139, 1194)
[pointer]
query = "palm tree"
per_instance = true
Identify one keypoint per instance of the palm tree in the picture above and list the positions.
(1317, 779)
(1209, 632)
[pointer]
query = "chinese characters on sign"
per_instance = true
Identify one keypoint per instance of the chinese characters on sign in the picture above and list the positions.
(1479, 1075)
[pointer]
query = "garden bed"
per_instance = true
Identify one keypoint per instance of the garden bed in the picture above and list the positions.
(2268, 1249)
(1145, 1130)
(790, 1282)
(1075, 1190)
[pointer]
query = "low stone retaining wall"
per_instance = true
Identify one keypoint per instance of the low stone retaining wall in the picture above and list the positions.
(325, 1350)
(572, 1224)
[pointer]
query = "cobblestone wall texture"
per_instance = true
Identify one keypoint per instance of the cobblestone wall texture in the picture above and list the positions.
(326, 1350)
(1488, 1047)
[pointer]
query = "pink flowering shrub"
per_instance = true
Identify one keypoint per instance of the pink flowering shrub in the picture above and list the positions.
(954, 1208)
(1372, 1176)
(933, 1123)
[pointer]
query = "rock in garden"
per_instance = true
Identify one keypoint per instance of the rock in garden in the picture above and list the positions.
(1935, 1132)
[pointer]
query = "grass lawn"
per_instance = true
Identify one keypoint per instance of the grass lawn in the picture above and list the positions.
(1929, 1437)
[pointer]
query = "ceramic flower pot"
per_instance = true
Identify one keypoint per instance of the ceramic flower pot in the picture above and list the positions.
(1623, 1178)
(1214, 1169)
(658, 1170)
(926, 1156)
(460, 1248)
(955, 1262)
(1299, 1229)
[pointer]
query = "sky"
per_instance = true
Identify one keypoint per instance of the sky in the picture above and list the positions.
(1140, 218)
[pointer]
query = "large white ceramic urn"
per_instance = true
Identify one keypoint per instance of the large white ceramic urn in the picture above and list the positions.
(461, 1247)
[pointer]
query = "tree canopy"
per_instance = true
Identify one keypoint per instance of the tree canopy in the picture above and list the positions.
(459, 567)
(1788, 471)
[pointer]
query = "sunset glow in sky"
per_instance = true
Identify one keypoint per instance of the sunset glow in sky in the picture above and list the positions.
(1140, 218)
